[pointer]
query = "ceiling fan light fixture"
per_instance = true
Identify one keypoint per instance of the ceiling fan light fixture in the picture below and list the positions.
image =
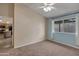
(47, 7)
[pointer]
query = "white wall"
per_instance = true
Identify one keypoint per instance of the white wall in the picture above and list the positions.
(29, 26)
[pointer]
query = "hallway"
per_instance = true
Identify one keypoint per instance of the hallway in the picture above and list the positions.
(44, 48)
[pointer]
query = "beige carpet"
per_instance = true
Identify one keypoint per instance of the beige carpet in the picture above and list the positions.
(44, 48)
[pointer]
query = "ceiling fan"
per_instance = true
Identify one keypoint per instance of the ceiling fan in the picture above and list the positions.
(47, 7)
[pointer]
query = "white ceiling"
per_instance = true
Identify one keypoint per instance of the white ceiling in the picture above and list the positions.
(61, 9)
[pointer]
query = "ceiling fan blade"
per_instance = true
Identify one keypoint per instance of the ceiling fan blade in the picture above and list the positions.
(53, 8)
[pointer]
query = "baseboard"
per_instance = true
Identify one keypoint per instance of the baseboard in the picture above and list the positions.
(28, 44)
(66, 44)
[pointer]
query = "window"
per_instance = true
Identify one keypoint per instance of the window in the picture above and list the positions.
(58, 26)
(67, 25)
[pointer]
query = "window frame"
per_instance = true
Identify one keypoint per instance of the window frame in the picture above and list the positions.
(63, 26)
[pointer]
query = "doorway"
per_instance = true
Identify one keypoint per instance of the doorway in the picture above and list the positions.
(6, 32)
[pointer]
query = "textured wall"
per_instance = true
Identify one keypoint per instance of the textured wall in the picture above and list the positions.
(29, 26)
